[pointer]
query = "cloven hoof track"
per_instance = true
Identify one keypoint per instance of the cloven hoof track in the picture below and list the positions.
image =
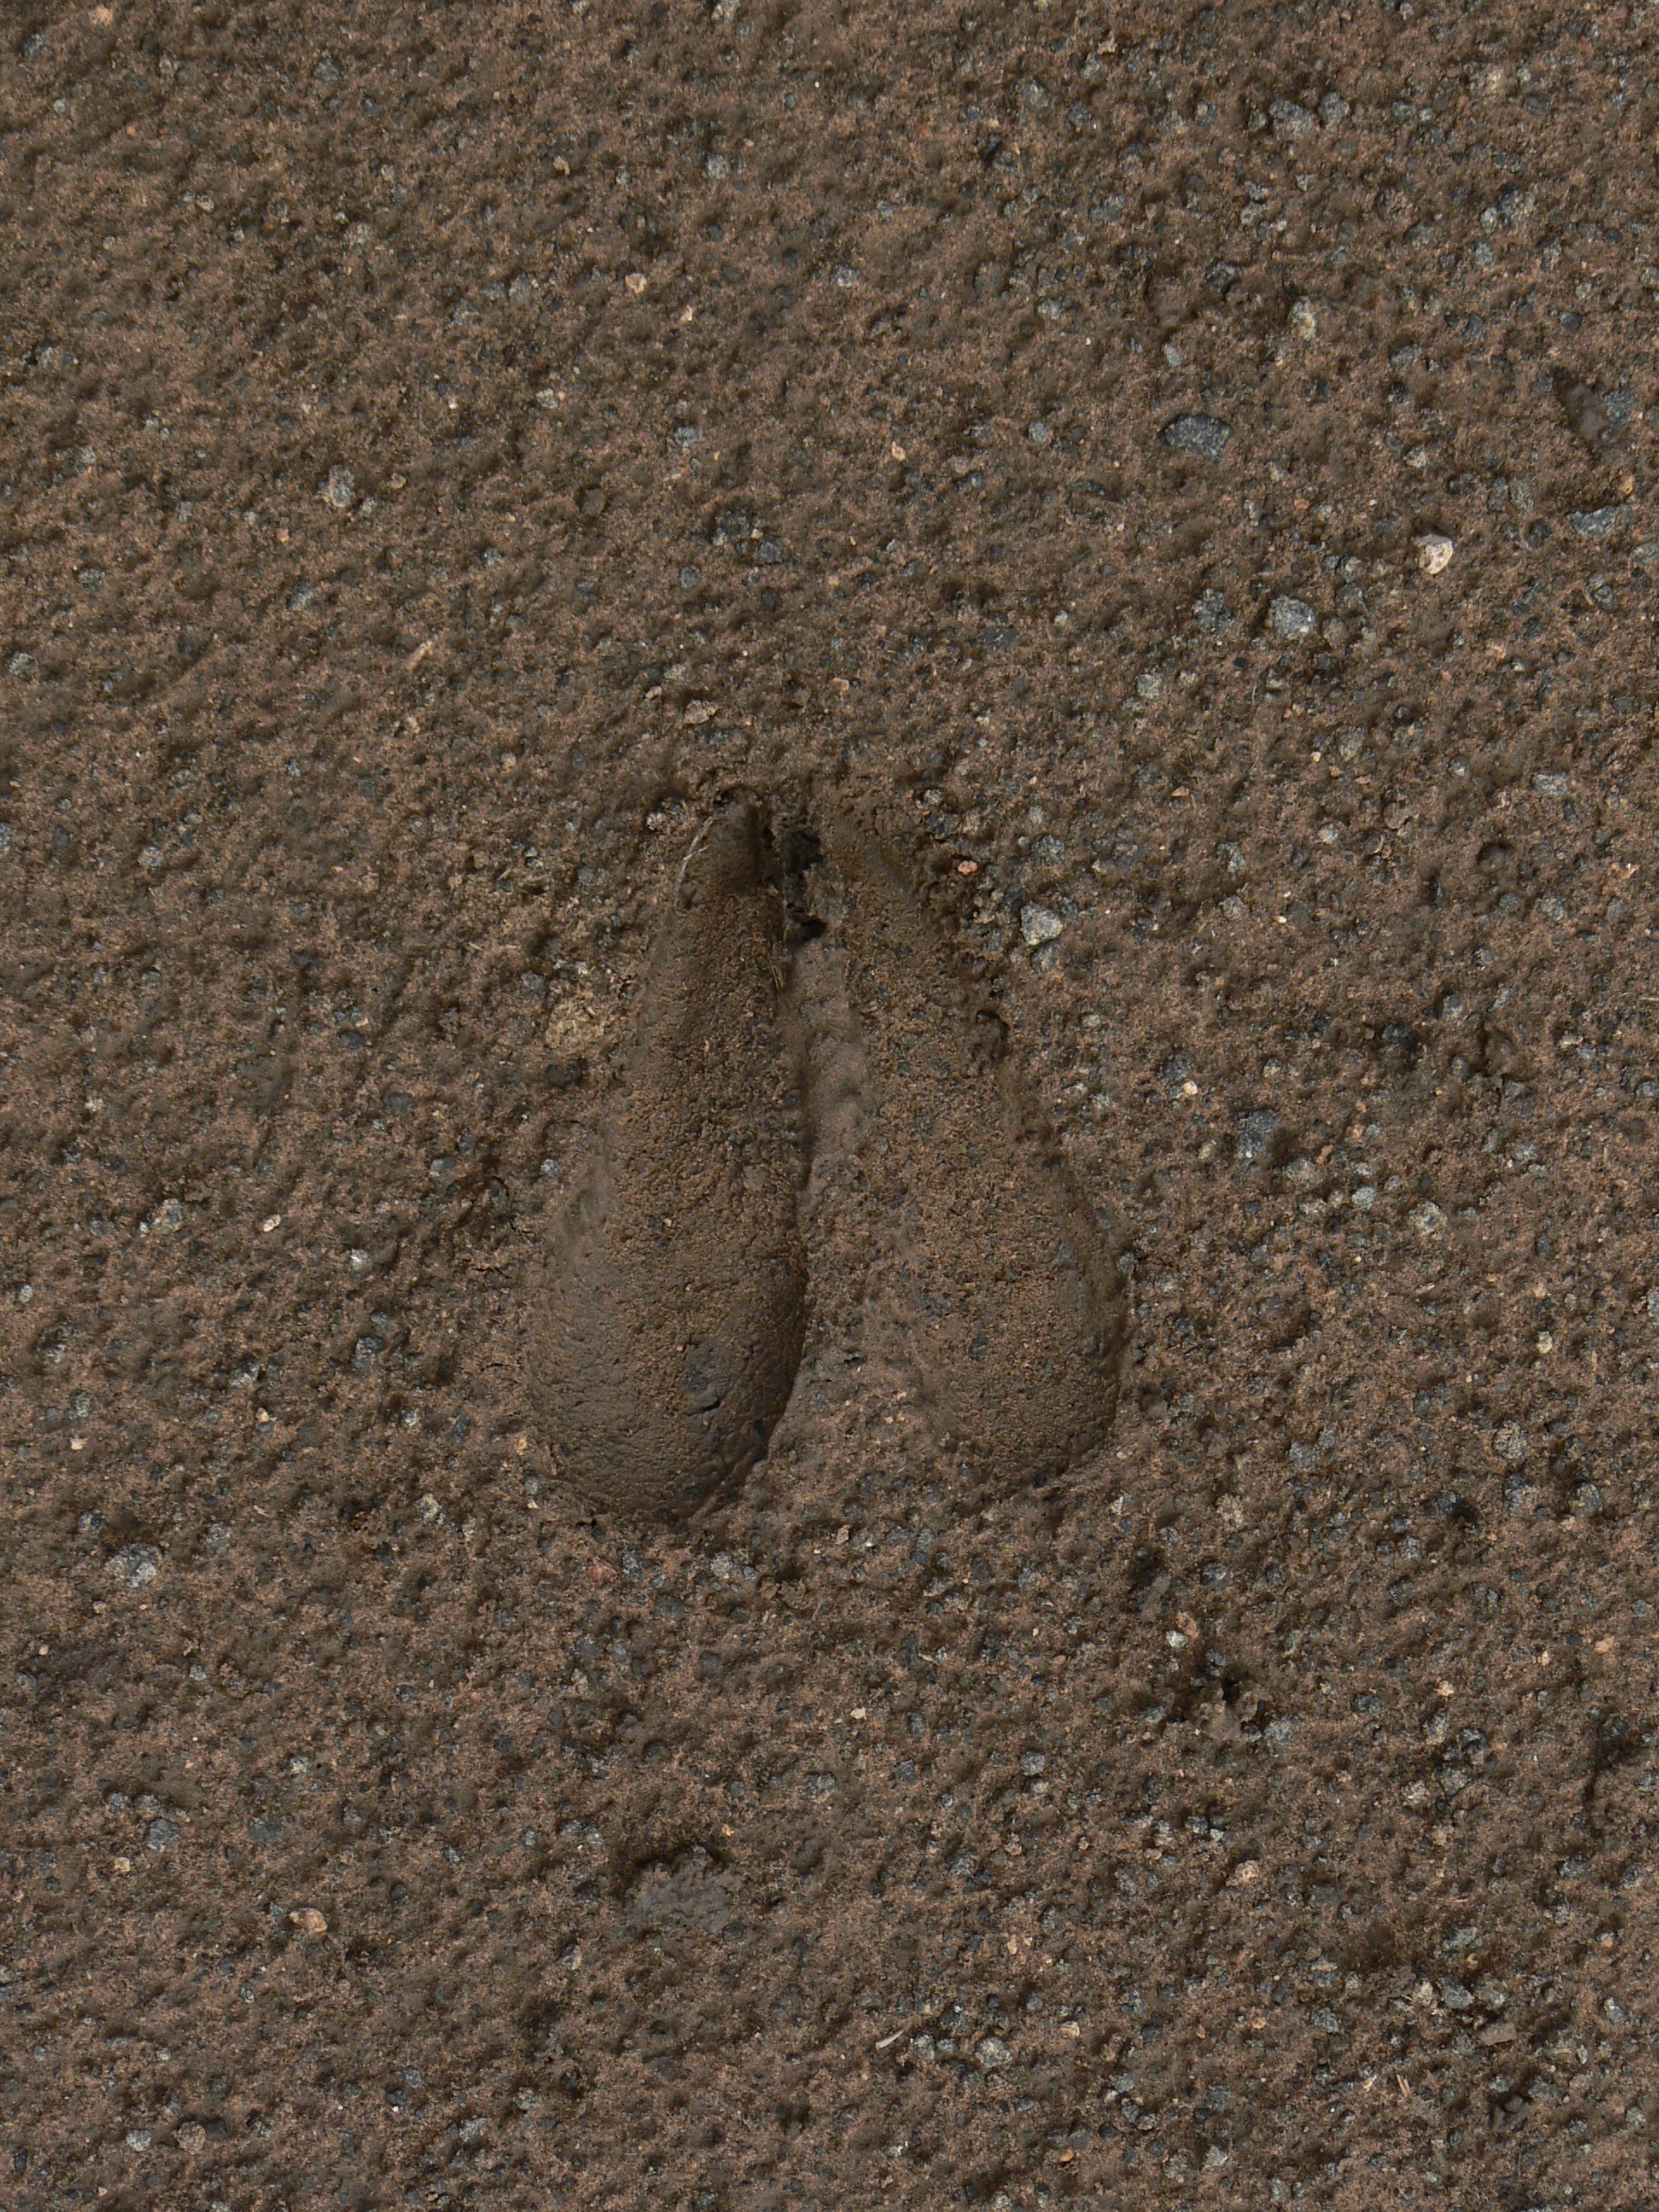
(993, 1274)
(675, 1297)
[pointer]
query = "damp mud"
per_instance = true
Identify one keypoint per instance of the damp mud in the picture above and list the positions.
(1152, 1113)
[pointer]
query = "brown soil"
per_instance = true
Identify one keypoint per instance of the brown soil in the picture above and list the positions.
(1185, 479)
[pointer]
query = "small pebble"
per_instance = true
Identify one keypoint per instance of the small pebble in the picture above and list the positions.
(1435, 553)
(1292, 619)
(1039, 924)
(1211, 611)
(137, 1565)
(1203, 435)
(1255, 1134)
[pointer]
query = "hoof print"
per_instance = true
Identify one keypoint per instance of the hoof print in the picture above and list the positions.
(992, 1269)
(674, 1302)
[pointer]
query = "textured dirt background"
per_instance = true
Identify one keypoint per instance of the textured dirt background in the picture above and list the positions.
(442, 451)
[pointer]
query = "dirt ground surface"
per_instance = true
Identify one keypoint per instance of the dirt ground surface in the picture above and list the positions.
(1184, 478)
